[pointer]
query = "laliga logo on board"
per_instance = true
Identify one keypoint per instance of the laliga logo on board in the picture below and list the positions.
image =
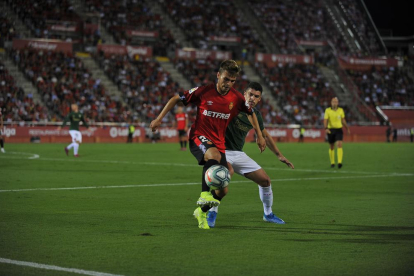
(308, 133)
(115, 132)
(9, 132)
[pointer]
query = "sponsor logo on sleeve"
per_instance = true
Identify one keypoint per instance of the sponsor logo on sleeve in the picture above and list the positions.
(192, 90)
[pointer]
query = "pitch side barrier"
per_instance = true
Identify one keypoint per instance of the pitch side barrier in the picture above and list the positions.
(35, 132)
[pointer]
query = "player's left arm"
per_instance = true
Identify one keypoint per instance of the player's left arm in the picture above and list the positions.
(344, 122)
(186, 123)
(261, 142)
(272, 146)
(84, 122)
(346, 125)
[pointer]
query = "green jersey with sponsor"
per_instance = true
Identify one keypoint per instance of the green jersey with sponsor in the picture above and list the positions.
(74, 118)
(238, 129)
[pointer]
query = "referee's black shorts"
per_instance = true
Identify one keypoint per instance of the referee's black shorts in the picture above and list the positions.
(336, 135)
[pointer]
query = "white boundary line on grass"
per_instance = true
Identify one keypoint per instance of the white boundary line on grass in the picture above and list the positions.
(37, 157)
(32, 155)
(57, 268)
(198, 183)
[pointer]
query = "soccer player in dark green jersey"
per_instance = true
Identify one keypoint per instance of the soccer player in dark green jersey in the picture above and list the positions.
(74, 117)
(242, 164)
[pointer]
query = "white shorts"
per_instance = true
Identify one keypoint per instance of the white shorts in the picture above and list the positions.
(76, 136)
(241, 162)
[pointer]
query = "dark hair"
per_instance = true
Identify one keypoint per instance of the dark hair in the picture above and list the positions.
(231, 67)
(256, 86)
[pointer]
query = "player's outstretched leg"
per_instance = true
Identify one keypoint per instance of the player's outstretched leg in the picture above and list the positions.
(75, 150)
(69, 147)
(201, 218)
(206, 199)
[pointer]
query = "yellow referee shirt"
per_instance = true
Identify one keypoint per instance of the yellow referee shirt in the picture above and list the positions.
(334, 117)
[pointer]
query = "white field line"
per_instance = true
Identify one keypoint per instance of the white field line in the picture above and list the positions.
(57, 268)
(35, 156)
(31, 155)
(198, 183)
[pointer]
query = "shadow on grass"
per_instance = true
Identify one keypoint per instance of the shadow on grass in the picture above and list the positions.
(336, 233)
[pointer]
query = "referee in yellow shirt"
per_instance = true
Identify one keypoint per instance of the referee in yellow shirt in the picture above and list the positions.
(333, 121)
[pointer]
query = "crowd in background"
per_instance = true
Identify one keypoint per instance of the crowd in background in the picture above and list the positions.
(62, 79)
(15, 105)
(301, 92)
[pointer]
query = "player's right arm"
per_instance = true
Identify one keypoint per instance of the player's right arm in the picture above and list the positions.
(261, 142)
(170, 105)
(325, 122)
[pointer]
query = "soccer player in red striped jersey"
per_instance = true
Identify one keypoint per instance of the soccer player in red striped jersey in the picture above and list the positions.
(217, 104)
(181, 121)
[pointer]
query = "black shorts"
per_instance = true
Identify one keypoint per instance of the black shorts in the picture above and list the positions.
(199, 146)
(182, 133)
(335, 135)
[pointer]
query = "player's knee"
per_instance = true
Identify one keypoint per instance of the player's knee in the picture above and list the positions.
(215, 156)
(264, 182)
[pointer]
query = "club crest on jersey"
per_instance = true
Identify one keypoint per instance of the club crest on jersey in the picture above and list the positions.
(192, 90)
(231, 106)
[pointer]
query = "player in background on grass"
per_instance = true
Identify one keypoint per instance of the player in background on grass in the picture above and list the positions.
(217, 104)
(334, 120)
(1, 133)
(242, 164)
(74, 117)
(181, 122)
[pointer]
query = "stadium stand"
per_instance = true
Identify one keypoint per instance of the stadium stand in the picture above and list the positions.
(62, 79)
(384, 86)
(7, 30)
(214, 25)
(17, 106)
(360, 22)
(133, 23)
(145, 85)
(55, 20)
(301, 91)
(290, 21)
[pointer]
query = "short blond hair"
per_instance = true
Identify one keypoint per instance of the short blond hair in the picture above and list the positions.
(231, 67)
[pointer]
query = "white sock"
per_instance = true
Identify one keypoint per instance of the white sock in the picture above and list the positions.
(266, 196)
(214, 209)
(70, 146)
(76, 146)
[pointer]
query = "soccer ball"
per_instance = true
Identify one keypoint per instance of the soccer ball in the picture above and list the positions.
(217, 177)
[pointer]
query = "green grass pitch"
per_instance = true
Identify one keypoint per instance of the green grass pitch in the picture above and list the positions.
(127, 209)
